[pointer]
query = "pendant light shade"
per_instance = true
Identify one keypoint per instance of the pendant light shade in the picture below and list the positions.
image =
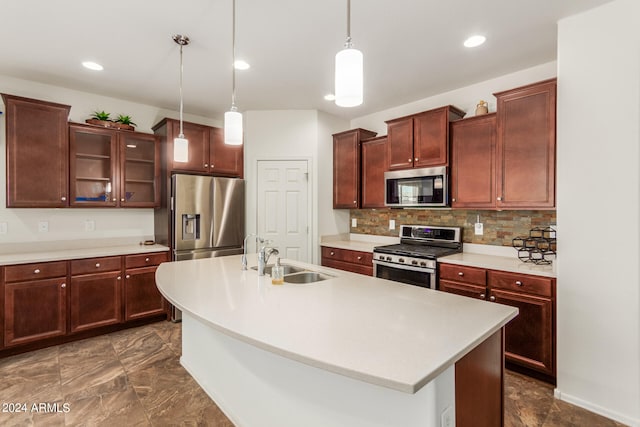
(349, 77)
(349, 80)
(233, 133)
(233, 127)
(181, 144)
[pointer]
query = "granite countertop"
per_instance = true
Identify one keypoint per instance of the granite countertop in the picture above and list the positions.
(25, 253)
(502, 263)
(359, 326)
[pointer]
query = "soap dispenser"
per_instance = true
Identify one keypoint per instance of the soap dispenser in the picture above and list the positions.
(277, 273)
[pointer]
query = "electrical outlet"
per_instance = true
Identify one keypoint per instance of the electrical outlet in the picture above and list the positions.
(3, 227)
(446, 419)
(89, 225)
(354, 222)
(392, 224)
(479, 229)
(43, 226)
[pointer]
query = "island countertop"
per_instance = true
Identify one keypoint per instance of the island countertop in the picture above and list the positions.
(374, 330)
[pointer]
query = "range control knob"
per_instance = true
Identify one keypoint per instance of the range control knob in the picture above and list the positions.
(414, 262)
(388, 258)
(401, 260)
(423, 263)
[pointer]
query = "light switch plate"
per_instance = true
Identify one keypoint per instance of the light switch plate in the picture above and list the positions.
(446, 419)
(354, 222)
(43, 226)
(3, 227)
(392, 224)
(479, 229)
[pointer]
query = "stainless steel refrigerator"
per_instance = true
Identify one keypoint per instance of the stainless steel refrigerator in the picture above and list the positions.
(201, 217)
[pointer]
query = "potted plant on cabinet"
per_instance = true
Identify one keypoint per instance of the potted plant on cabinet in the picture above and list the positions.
(100, 118)
(124, 122)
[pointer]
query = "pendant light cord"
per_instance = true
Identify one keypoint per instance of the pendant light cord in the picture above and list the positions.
(233, 55)
(181, 134)
(348, 42)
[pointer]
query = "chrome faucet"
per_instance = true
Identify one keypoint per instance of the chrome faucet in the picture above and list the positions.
(264, 254)
(244, 255)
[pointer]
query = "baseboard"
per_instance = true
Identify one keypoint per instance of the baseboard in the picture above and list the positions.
(631, 422)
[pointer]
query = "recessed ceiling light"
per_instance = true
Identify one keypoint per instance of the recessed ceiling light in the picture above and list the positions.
(330, 97)
(92, 65)
(241, 65)
(474, 41)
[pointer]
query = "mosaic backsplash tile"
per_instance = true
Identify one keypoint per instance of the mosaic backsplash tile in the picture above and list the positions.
(500, 227)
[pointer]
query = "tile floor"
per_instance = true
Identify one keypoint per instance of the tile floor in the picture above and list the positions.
(134, 378)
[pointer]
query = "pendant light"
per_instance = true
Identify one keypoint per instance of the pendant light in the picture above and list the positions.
(233, 118)
(349, 71)
(181, 144)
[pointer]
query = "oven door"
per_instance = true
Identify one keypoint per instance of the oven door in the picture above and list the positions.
(406, 274)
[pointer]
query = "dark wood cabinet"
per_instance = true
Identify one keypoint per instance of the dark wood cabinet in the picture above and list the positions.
(111, 168)
(473, 162)
(35, 302)
(208, 154)
(526, 142)
(374, 164)
(420, 140)
(530, 337)
(141, 295)
(37, 153)
(348, 260)
(95, 293)
(347, 167)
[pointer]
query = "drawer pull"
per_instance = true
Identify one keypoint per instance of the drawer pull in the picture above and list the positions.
(97, 265)
(36, 271)
(146, 260)
(119, 278)
(460, 274)
(64, 285)
(359, 258)
(483, 296)
(492, 298)
(518, 283)
(332, 254)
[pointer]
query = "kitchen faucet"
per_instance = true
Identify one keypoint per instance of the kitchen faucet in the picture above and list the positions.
(264, 254)
(244, 255)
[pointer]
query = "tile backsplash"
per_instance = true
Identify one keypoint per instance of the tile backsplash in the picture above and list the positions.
(500, 227)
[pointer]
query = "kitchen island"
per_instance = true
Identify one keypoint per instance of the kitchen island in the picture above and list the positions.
(350, 351)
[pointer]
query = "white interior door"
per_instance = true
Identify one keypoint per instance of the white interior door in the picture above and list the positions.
(283, 212)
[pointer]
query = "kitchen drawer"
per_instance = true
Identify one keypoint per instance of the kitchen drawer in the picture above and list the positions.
(459, 273)
(36, 271)
(363, 258)
(95, 265)
(145, 260)
(522, 283)
(336, 253)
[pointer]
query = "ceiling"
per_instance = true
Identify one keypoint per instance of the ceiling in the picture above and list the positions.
(412, 48)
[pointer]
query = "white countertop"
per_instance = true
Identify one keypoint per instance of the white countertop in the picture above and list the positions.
(25, 253)
(379, 331)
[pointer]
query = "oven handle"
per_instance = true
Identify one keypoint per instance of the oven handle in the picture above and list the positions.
(404, 266)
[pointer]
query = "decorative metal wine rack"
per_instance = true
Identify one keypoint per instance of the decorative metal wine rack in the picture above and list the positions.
(539, 248)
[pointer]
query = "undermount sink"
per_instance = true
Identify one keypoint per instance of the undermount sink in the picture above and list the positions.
(288, 269)
(306, 277)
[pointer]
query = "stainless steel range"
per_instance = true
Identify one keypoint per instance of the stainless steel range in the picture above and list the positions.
(414, 259)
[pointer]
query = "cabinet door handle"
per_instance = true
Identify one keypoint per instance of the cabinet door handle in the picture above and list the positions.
(354, 202)
(63, 198)
(518, 283)
(460, 274)
(97, 265)
(499, 199)
(36, 271)
(127, 276)
(409, 160)
(492, 298)
(146, 260)
(64, 285)
(122, 200)
(119, 278)
(453, 200)
(114, 199)
(206, 165)
(483, 296)
(415, 160)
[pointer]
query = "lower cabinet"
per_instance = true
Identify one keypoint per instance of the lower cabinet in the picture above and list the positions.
(47, 303)
(348, 260)
(530, 337)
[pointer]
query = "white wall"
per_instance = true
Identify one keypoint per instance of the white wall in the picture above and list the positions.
(465, 98)
(598, 210)
(68, 224)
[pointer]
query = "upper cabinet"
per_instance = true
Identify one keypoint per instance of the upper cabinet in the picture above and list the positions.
(374, 164)
(526, 146)
(110, 168)
(420, 140)
(37, 153)
(208, 154)
(473, 162)
(347, 167)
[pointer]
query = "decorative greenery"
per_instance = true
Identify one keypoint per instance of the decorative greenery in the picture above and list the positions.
(125, 120)
(101, 115)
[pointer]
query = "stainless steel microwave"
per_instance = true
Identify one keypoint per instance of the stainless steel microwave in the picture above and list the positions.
(424, 187)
